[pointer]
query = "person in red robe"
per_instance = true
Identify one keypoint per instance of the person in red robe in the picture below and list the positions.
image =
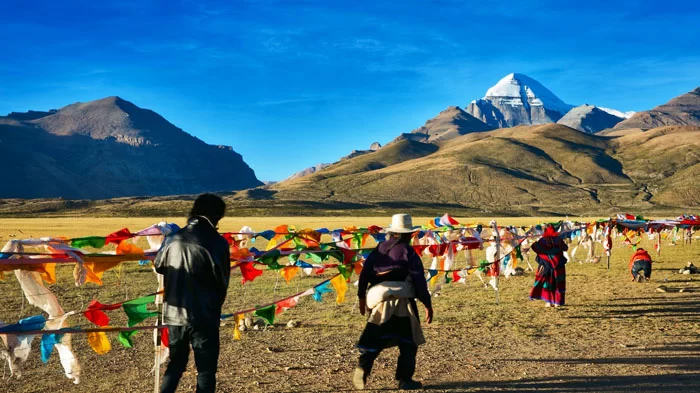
(550, 279)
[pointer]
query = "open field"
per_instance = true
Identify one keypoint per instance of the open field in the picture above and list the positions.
(613, 335)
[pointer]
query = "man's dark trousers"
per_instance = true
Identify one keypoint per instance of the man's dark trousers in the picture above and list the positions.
(641, 266)
(205, 345)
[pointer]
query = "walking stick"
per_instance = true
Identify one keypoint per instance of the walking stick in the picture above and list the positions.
(156, 367)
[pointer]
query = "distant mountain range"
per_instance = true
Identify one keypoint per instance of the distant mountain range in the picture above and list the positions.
(494, 158)
(110, 148)
(519, 150)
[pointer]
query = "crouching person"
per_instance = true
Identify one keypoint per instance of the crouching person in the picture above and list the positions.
(640, 265)
(394, 273)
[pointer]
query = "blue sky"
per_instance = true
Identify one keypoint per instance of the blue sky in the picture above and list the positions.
(290, 84)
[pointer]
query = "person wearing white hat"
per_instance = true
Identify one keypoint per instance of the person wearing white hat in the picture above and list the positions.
(393, 271)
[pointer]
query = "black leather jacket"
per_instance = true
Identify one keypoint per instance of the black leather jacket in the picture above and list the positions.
(196, 264)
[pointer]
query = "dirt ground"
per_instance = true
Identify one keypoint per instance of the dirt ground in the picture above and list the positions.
(613, 335)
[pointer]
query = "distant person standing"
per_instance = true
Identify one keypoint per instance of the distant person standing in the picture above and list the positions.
(394, 274)
(640, 265)
(550, 279)
(195, 262)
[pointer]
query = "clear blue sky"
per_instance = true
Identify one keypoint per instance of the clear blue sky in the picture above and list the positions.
(290, 84)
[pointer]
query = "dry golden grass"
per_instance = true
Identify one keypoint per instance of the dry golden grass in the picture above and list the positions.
(613, 335)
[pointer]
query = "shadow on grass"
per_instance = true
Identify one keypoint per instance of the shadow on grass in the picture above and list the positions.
(613, 383)
(677, 307)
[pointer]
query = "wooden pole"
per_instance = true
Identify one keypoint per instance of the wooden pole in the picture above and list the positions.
(658, 242)
(609, 246)
(498, 253)
(156, 367)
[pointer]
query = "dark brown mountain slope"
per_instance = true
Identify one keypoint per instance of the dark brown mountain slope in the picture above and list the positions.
(683, 110)
(111, 148)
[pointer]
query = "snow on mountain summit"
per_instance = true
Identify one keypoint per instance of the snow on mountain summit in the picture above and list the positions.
(518, 99)
(615, 112)
(526, 89)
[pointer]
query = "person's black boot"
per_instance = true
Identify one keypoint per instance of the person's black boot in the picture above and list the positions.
(409, 384)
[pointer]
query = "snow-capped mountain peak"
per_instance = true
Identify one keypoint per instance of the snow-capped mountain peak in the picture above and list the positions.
(615, 112)
(518, 99)
(526, 89)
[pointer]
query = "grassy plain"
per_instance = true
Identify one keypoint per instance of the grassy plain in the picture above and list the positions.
(613, 335)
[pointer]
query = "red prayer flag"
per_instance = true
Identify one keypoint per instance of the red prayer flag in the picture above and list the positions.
(95, 314)
(438, 249)
(249, 272)
(286, 304)
(118, 236)
(418, 248)
(164, 337)
(347, 254)
(229, 238)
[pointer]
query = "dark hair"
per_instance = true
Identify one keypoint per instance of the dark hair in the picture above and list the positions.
(404, 238)
(210, 206)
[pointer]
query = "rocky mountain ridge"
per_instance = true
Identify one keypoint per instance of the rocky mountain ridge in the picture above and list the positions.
(112, 148)
(681, 110)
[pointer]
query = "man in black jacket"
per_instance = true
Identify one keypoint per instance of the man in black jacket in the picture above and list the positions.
(196, 264)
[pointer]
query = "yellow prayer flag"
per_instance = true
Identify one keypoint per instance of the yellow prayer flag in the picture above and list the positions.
(99, 342)
(236, 322)
(289, 272)
(340, 286)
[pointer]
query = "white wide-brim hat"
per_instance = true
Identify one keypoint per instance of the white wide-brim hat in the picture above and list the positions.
(401, 223)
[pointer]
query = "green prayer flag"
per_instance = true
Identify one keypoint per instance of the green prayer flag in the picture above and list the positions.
(448, 279)
(357, 239)
(136, 309)
(298, 242)
(345, 270)
(316, 257)
(126, 338)
(267, 313)
(270, 258)
(518, 253)
(89, 241)
(483, 265)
